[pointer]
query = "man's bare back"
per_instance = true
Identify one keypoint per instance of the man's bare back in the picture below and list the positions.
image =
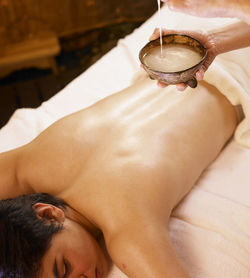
(126, 162)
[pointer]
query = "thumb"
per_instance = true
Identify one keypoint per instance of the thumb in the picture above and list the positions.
(155, 35)
(200, 73)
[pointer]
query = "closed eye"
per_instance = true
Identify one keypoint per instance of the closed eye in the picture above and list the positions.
(67, 268)
(55, 270)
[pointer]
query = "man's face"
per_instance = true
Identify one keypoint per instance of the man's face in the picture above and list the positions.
(74, 253)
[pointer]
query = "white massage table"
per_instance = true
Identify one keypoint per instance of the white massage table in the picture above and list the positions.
(210, 228)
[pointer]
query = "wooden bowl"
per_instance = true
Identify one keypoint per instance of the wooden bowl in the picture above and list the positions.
(186, 76)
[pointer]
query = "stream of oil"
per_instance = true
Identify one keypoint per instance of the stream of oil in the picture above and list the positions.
(160, 25)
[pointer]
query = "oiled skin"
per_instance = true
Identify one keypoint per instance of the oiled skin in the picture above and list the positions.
(124, 163)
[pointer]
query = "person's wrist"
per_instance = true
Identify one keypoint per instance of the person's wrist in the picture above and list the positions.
(214, 42)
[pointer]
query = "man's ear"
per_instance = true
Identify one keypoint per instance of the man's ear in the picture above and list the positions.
(49, 212)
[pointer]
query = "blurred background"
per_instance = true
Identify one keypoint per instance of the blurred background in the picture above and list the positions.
(44, 44)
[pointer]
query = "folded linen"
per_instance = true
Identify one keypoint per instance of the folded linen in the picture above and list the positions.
(230, 74)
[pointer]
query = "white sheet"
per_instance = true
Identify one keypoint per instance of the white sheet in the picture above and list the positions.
(210, 229)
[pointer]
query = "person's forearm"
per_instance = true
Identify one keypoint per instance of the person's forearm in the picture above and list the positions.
(230, 38)
(213, 8)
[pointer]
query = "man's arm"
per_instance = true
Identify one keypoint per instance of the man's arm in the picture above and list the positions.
(146, 252)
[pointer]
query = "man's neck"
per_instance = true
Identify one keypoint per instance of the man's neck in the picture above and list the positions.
(84, 222)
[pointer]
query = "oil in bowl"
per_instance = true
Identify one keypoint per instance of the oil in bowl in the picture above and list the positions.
(175, 61)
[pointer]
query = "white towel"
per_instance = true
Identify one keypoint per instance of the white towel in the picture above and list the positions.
(231, 75)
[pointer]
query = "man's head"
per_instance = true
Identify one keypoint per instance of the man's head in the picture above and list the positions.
(39, 237)
(24, 237)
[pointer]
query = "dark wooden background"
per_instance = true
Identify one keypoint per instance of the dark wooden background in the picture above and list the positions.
(22, 19)
(86, 30)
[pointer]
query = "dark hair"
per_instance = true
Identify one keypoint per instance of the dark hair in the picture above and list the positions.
(24, 239)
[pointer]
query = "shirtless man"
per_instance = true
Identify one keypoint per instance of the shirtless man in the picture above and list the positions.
(121, 166)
